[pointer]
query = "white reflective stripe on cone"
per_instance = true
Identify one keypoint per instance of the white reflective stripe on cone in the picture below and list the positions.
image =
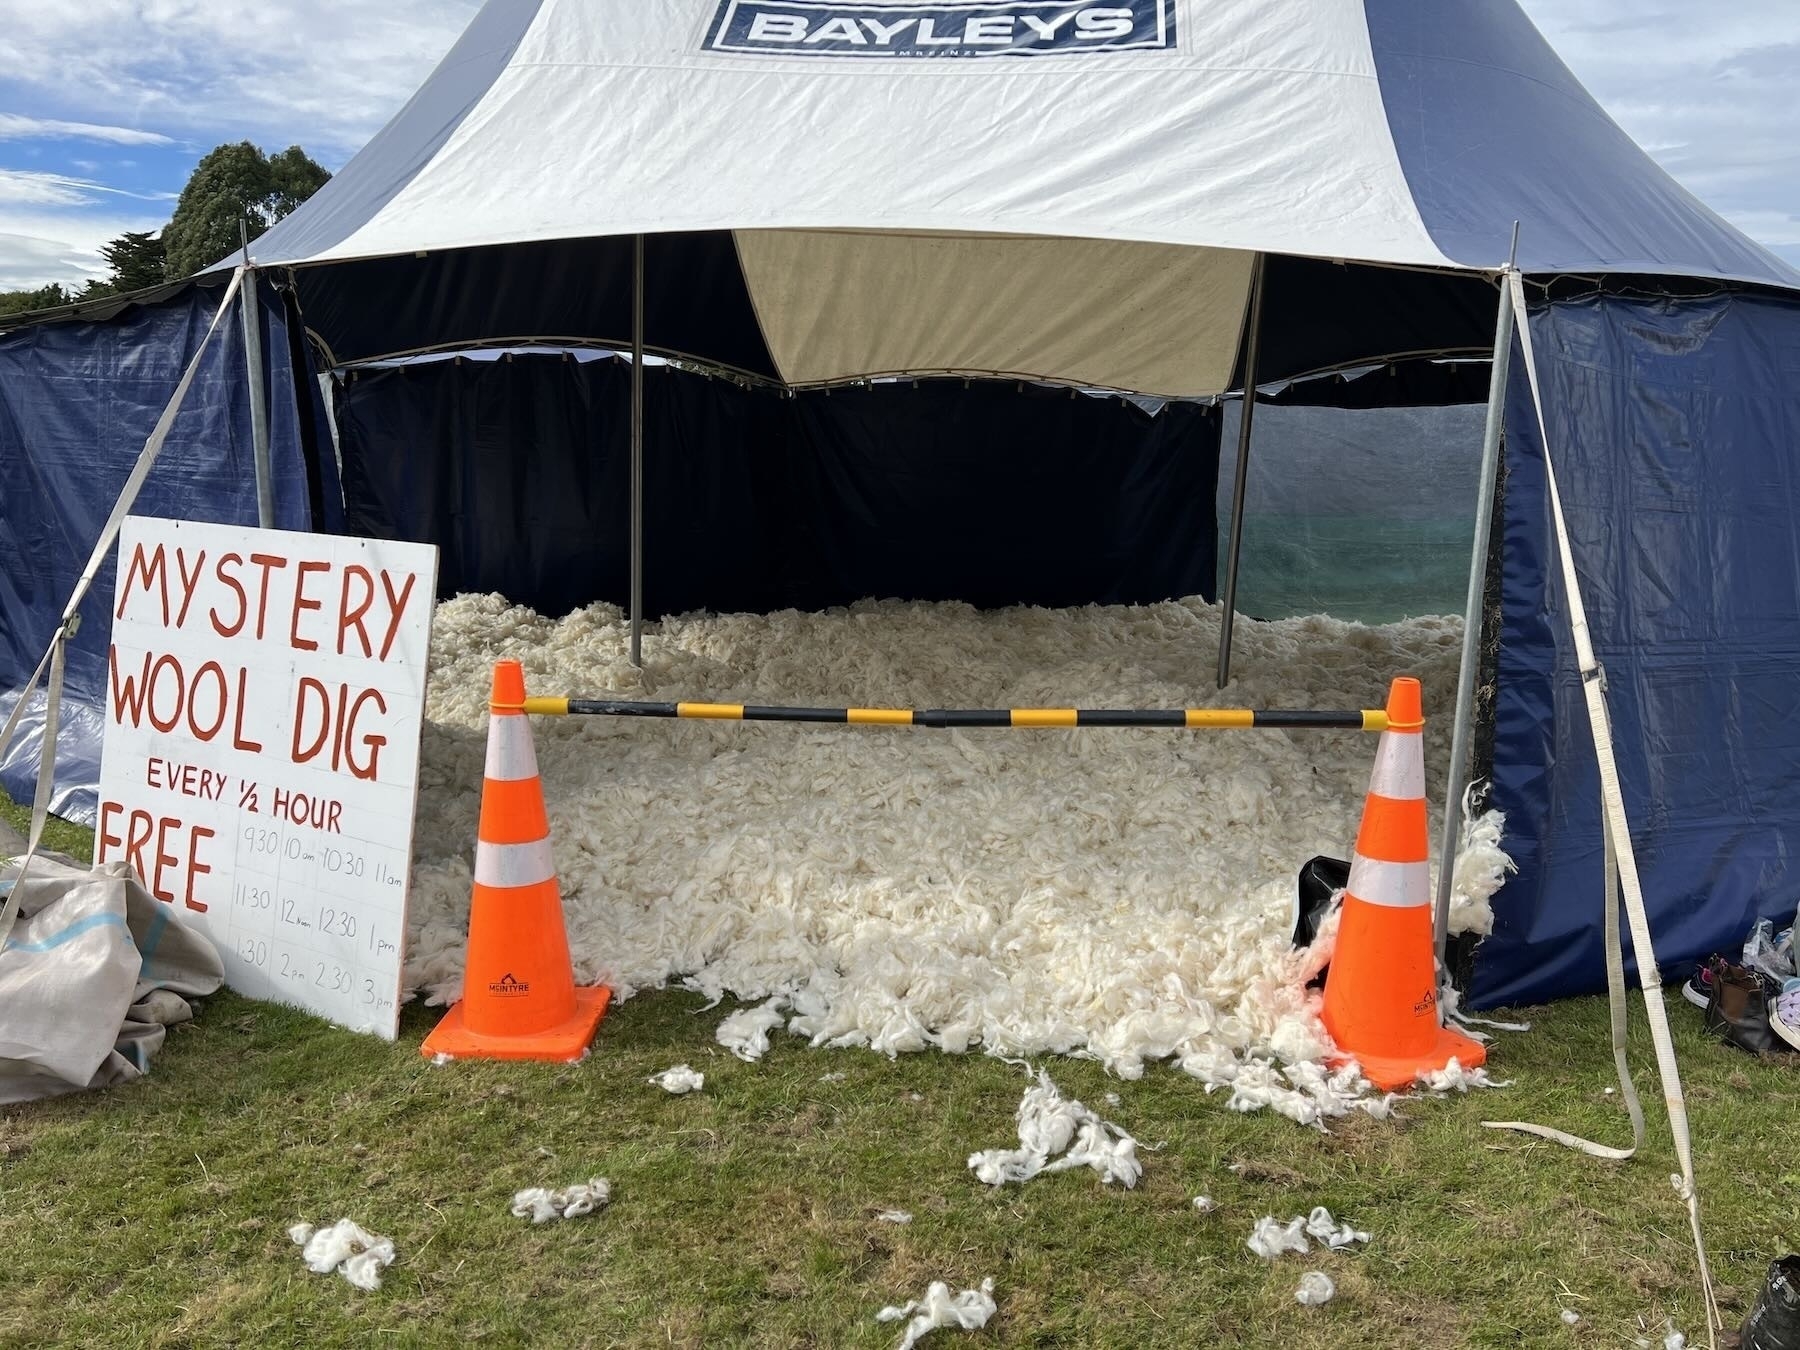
(1399, 771)
(514, 864)
(510, 754)
(1397, 885)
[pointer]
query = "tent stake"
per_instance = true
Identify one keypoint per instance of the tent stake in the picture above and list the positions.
(637, 453)
(259, 401)
(1472, 610)
(1252, 341)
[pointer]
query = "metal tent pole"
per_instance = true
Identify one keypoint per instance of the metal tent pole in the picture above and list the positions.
(259, 400)
(1458, 777)
(637, 453)
(1252, 341)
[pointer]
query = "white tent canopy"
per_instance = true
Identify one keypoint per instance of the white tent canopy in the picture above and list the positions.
(1058, 189)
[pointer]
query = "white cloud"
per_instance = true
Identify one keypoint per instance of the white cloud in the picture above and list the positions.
(39, 246)
(16, 127)
(33, 187)
(324, 74)
(158, 73)
(52, 227)
(29, 261)
(1780, 230)
(1708, 90)
(24, 187)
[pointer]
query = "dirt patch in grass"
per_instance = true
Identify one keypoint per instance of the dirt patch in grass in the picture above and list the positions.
(1274, 1174)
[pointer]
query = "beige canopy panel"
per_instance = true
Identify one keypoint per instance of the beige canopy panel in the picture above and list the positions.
(1157, 318)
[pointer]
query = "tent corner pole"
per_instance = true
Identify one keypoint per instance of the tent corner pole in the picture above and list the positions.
(1252, 342)
(1458, 777)
(259, 400)
(637, 453)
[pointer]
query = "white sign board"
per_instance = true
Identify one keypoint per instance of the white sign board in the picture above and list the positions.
(265, 694)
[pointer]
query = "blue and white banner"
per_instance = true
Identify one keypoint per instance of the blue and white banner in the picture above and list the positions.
(953, 28)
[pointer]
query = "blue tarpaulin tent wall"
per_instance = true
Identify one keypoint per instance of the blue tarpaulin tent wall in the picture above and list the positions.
(77, 401)
(1675, 430)
(990, 492)
(1673, 422)
(1117, 240)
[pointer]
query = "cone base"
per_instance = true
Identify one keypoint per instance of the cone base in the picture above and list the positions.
(561, 1044)
(1390, 1073)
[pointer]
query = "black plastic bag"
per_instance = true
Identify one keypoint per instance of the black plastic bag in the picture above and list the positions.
(1320, 879)
(1774, 1323)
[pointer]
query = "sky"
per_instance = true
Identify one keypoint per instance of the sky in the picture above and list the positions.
(105, 105)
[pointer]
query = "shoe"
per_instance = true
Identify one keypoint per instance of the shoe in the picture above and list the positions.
(1784, 1013)
(1699, 986)
(1739, 1011)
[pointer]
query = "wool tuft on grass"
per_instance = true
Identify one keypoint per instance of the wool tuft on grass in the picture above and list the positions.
(1316, 1289)
(540, 1204)
(967, 1311)
(1057, 1134)
(746, 1032)
(679, 1080)
(346, 1247)
(1126, 894)
(1269, 1239)
(1454, 1078)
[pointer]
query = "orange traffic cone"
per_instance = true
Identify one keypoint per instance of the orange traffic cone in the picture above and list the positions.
(519, 996)
(1381, 1002)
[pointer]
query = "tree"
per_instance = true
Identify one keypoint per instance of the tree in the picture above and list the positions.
(24, 302)
(137, 260)
(293, 177)
(235, 185)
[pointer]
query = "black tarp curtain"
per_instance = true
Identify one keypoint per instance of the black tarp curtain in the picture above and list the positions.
(1317, 315)
(992, 493)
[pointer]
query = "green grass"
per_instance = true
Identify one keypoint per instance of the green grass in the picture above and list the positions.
(59, 835)
(156, 1214)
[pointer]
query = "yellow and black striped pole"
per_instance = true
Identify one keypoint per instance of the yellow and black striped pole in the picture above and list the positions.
(1367, 719)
